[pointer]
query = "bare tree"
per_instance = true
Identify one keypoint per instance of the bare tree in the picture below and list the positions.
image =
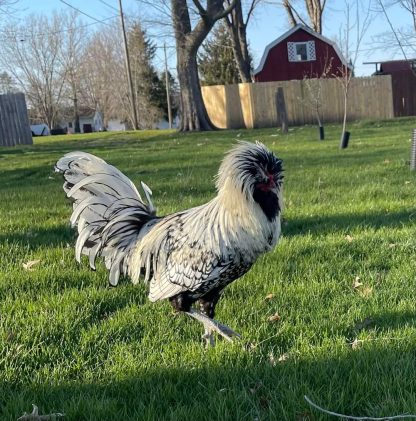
(7, 8)
(31, 56)
(409, 6)
(188, 39)
(72, 51)
(314, 10)
(350, 48)
(103, 79)
(237, 27)
(398, 38)
(312, 97)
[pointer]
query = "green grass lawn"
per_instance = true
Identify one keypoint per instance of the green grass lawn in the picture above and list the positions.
(69, 343)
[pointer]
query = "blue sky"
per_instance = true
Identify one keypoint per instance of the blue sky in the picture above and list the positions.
(269, 23)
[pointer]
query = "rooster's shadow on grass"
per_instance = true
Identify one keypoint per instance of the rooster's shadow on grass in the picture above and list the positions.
(34, 238)
(345, 223)
(63, 145)
(387, 322)
(236, 388)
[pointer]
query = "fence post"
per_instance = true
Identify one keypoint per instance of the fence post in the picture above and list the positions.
(281, 110)
(413, 152)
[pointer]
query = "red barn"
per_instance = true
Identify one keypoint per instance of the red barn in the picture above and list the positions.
(299, 53)
(403, 80)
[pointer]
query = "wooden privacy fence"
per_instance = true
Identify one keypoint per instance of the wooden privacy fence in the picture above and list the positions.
(14, 121)
(253, 105)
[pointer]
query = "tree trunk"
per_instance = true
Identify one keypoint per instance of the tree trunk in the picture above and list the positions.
(238, 31)
(242, 56)
(193, 113)
(77, 128)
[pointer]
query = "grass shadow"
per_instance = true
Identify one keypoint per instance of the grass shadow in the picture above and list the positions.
(327, 224)
(251, 388)
(41, 237)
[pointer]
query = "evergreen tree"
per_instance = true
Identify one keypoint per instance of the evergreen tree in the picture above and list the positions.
(216, 61)
(7, 84)
(146, 82)
(173, 95)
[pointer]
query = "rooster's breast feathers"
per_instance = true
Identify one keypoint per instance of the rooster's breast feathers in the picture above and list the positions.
(189, 251)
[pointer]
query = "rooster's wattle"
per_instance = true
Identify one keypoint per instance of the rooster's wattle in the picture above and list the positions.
(187, 256)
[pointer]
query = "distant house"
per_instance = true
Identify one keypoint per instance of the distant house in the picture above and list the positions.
(403, 82)
(299, 53)
(92, 121)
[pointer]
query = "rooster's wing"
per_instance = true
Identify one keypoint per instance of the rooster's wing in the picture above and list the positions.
(183, 261)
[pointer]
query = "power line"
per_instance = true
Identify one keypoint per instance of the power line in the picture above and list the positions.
(13, 35)
(392, 28)
(83, 13)
(108, 5)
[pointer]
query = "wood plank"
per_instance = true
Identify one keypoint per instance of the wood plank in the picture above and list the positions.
(369, 97)
(14, 121)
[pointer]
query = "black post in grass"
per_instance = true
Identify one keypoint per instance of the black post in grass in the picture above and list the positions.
(321, 133)
(344, 140)
(413, 152)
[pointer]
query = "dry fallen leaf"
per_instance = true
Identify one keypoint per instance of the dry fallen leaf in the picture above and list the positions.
(386, 161)
(392, 245)
(272, 359)
(356, 284)
(274, 318)
(366, 292)
(349, 238)
(356, 343)
(28, 265)
(269, 296)
(407, 182)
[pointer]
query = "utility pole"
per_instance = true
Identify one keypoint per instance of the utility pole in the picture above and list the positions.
(167, 89)
(128, 69)
(77, 128)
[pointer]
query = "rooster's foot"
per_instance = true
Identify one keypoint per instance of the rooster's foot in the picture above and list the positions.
(208, 338)
(212, 325)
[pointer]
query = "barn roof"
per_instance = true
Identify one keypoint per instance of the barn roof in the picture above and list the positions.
(290, 32)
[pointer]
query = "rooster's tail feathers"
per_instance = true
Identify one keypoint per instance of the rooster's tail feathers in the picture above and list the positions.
(108, 210)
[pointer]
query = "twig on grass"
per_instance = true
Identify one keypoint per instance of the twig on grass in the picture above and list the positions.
(34, 415)
(350, 417)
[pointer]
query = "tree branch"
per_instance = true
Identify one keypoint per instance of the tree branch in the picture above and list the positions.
(226, 11)
(253, 5)
(201, 10)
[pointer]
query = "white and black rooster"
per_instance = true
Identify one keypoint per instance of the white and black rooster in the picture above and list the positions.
(188, 256)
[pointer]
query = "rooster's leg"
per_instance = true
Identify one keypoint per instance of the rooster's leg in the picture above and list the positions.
(182, 302)
(207, 306)
(208, 338)
(212, 325)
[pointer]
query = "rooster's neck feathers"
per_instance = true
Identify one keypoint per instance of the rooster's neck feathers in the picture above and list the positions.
(246, 166)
